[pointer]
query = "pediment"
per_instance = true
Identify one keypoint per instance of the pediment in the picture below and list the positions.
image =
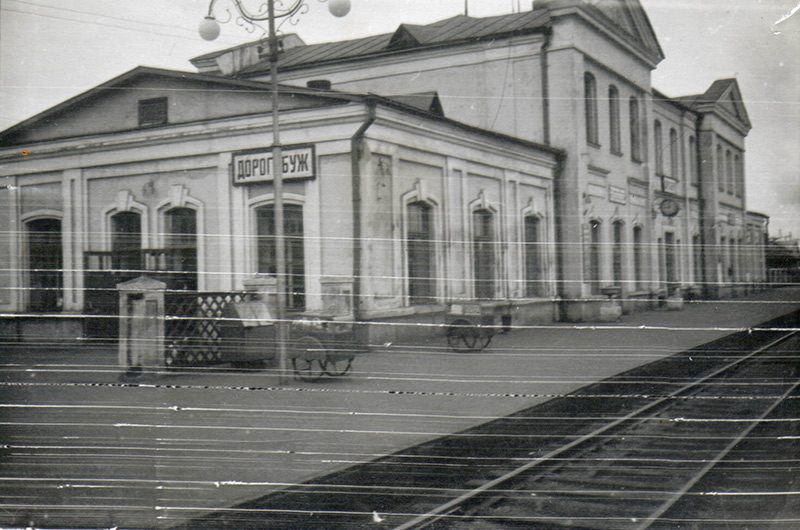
(632, 23)
(723, 98)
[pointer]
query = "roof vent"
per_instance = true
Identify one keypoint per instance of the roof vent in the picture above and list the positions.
(319, 84)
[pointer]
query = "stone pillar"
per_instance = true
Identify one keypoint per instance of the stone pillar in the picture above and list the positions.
(141, 323)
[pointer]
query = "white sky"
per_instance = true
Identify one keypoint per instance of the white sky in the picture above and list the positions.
(51, 50)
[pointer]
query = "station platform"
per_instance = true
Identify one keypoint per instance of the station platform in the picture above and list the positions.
(208, 440)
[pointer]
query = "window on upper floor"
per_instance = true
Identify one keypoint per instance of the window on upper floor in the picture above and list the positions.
(739, 169)
(635, 129)
(613, 120)
(674, 168)
(152, 112)
(720, 171)
(729, 172)
(658, 141)
(693, 173)
(590, 106)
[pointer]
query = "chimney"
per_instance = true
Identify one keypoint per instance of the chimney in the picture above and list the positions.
(319, 84)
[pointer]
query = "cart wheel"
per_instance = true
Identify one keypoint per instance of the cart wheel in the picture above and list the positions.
(306, 353)
(462, 336)
(337, 368)
(484, 338)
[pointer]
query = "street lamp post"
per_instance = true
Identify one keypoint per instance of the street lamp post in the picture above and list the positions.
(267, 12)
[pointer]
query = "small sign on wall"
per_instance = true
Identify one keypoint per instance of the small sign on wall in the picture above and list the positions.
(255, 165)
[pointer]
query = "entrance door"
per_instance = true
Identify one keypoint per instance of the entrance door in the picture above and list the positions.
(293, 244)
(45, 266)
(670, 261)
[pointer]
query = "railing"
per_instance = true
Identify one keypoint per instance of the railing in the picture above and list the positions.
(192, 335)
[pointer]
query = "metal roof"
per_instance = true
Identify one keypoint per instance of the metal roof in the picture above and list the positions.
(454, 30)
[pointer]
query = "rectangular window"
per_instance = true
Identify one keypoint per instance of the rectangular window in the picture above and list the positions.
(674, 169)
(420, 251)
(181, 243)
(126, 244)
(590, 105)
(483, 253)
(658, 140)
(693, 173)
(534, 280)
(152, 112)
(613, 119)
(635, 127)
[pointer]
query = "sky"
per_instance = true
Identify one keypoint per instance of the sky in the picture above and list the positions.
(51, 50)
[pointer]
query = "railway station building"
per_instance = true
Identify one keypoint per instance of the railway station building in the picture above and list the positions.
(521, 161)
(650, 199)
(392, 211)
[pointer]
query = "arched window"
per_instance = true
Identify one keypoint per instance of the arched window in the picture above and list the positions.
(739, 170)
(293, 245)
(674, 169)
(658, 139)
(126, 244)
(616, 256)
(693, 173)
(590, 104)
(483, 253)
(534, 274)
(613, 119)
(45, 265)
(635, 129)
(181, 247)
(729, 171)
(594, 256)
(420, 254)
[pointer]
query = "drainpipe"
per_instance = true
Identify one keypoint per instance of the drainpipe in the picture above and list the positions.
(548, 33)
(701, 202)
(356, 149)
(558, 217)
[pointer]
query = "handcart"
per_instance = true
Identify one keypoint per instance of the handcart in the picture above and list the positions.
(320, 347)
(317, 346)
(470, 327)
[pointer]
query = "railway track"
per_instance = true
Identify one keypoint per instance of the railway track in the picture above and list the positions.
(629, 452)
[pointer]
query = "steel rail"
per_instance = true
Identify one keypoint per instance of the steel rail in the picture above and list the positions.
(423, 520)
(648, 522)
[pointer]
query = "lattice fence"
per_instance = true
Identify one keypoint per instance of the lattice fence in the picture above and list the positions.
(192, 329)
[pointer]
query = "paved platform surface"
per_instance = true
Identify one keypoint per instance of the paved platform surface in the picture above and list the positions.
(168, 446)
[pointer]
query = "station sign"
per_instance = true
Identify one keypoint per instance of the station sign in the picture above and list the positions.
(255, 165)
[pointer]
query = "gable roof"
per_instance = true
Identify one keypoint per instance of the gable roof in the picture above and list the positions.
(51, 116)
(625, 18)
(408, 37)
(723, 98)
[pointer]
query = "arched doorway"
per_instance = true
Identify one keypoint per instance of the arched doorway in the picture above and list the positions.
(45, 266)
